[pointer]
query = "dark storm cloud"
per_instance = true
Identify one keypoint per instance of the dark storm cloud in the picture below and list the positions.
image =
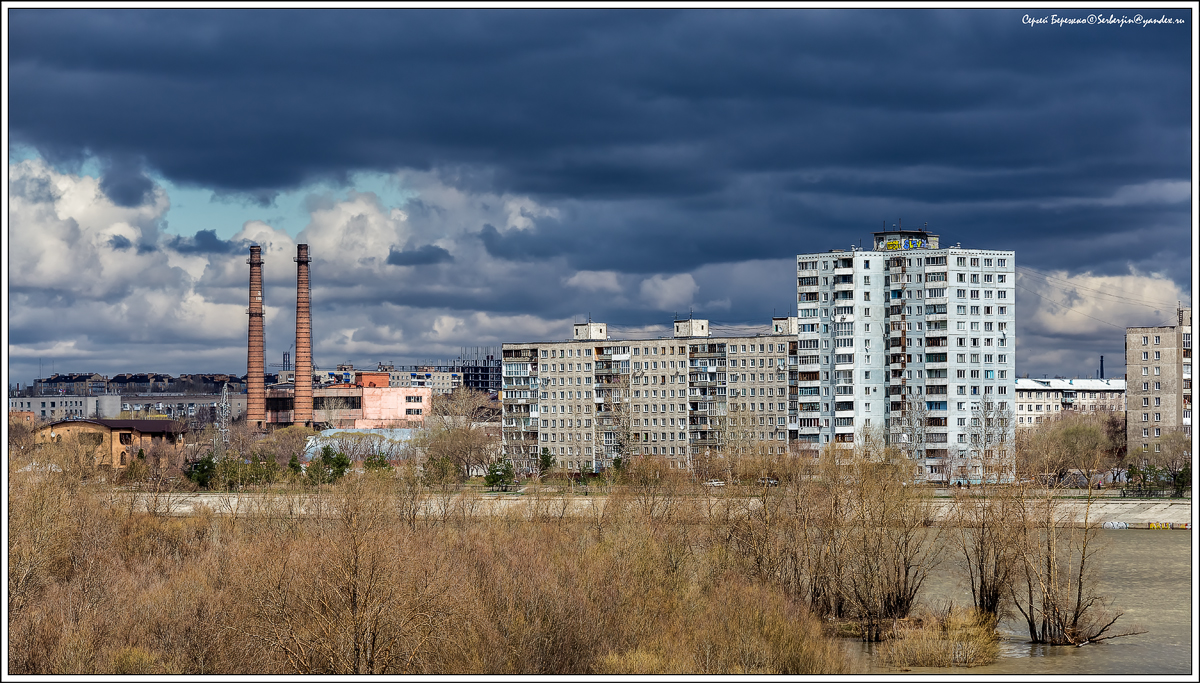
(711, 142)
(422, 256)
(781, 127)
(125, 183)
(204, 242)
(519, 245)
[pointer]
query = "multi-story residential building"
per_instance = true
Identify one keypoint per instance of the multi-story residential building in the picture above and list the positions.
(71, 384)
(553, 394)
(917, 339)
(476, 368)
(1158, 375)
(480, 368)
(64, 407)
(756, 397)
(442, 379)
(1039, 400)
(591, 399)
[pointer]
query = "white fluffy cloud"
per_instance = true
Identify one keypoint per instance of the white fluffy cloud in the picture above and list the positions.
(1087, 304)
(665, 293)
(594, 281)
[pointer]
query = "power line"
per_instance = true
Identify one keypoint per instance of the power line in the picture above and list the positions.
(1070, 309)
(1153, 305)
(1140, 301)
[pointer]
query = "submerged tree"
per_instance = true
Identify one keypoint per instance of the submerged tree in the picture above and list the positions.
(1057, 587)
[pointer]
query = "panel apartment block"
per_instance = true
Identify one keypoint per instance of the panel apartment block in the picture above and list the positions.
(589, 399)
(913, 338)
(1158, 375)
(1041, 400)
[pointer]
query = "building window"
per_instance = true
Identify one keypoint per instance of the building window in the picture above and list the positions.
(1157, 339)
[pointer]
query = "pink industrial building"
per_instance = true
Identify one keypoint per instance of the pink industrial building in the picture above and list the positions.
(361, 405)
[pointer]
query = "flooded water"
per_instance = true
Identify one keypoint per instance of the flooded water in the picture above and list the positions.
(1149, 576)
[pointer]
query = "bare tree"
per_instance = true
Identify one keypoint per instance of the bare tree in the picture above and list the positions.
(1057, 589)
(1173, 459)
(457, 429)
(989, 454)
(614, 419)
(894, 545)
(908, 428)
(985, 532)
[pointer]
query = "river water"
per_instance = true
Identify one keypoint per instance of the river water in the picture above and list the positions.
(1149, 576)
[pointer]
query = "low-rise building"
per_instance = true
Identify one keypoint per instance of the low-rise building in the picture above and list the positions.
(367, 403)
(116, 442)
(1039, 400)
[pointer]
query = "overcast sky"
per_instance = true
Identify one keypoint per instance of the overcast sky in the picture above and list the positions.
(468, 177)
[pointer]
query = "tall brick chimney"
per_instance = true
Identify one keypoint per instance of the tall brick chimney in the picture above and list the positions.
(256, 400)
(302, 408)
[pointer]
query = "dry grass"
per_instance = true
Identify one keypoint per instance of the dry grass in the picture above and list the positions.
(952, 638)
(641, 587)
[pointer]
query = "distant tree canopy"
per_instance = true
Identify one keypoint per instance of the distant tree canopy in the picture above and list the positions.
(454, 431)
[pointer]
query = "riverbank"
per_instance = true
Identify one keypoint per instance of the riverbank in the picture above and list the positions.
(1110, 513)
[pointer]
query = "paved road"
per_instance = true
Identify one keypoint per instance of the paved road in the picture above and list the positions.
(1113, 513)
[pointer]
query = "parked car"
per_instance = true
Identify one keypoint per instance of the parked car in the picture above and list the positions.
(767, 481)
(714, 482)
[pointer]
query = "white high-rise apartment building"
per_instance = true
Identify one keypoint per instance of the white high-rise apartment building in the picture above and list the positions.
(916, 340)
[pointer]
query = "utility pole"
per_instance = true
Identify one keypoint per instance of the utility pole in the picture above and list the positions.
(221, 440)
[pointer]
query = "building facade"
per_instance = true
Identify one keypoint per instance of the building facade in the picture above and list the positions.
(62, 407)
(1158, 375)
(176, 406)
(916, 339)
(116, 442)
(368, 402)
(1039, 400)
(589, 399)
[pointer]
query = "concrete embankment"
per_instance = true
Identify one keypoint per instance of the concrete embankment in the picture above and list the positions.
(1114, 514)
(1108, 512)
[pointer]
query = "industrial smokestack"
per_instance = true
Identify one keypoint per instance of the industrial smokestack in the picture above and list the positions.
(1101, 367)
(302, 407)
(256, 400)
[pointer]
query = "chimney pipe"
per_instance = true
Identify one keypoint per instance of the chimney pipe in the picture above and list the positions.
(302, 406)
(1101, 367)
(256, 400)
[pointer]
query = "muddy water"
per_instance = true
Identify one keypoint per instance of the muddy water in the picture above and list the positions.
(1148, 573)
